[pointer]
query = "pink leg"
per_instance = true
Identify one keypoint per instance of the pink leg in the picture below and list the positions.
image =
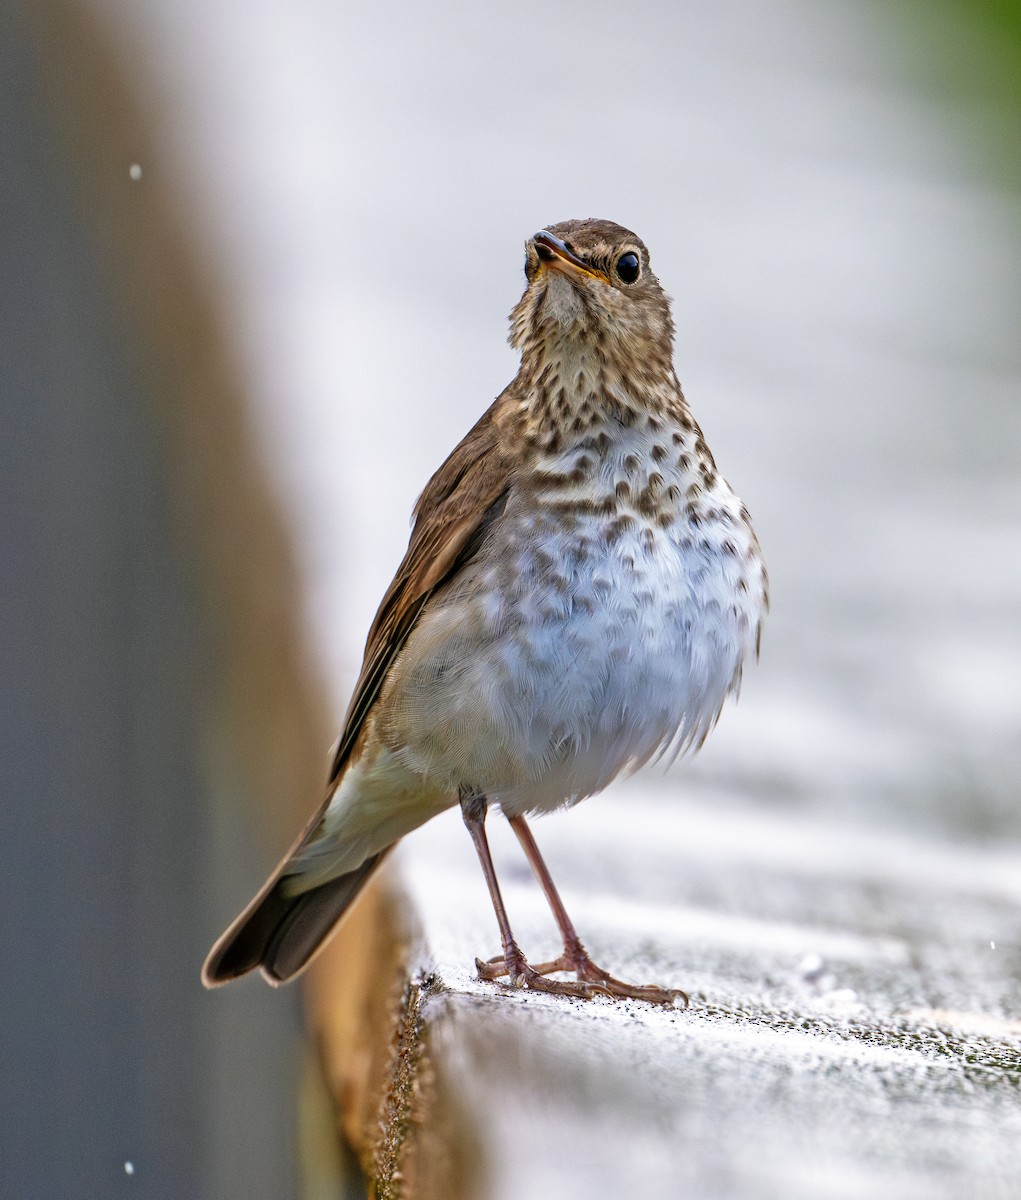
(513, 962)
(575, 957)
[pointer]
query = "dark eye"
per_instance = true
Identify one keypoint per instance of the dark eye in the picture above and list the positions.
(628, 267)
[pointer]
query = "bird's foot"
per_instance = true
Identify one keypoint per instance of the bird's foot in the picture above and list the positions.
(592, 980)
(587, 970)
(522, 975)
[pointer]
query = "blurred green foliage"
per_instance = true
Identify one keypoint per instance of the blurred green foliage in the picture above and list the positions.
(967, 55)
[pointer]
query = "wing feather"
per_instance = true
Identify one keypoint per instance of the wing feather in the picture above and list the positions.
(451, 517)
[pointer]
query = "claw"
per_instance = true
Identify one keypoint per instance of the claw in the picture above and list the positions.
(671, 997)
(492, 969)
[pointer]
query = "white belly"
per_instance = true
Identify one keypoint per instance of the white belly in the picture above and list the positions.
(561, 659)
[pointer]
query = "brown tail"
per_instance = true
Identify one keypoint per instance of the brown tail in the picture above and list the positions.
(280, 933)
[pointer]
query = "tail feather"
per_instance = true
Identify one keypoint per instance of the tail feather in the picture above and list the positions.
(280, 933)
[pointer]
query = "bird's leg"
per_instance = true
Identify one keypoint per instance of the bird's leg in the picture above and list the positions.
(473, 810)
(575, 957)
(513, 962)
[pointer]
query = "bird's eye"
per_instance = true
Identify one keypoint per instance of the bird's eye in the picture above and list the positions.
(628, 267)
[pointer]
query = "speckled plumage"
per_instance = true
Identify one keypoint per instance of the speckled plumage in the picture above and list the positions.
(580, 593)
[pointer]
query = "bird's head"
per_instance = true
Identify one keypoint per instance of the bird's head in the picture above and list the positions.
(590, 288)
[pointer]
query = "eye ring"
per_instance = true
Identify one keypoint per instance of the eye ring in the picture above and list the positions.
(628, 267)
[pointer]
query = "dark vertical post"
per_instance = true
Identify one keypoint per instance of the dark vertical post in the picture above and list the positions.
(119, 1075)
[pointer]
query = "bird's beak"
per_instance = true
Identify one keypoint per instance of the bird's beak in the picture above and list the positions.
(554, 255)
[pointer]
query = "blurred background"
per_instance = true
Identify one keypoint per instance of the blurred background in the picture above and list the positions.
(256, 266)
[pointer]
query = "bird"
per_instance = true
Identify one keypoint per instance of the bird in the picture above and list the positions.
(581, 591)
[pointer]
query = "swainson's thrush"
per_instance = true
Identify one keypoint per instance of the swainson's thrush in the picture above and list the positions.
(581, 590)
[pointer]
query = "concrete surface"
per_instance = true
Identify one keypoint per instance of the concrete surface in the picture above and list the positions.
(853, 1027)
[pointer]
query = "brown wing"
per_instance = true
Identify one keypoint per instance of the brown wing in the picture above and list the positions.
(278, 932)
(451, 517)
